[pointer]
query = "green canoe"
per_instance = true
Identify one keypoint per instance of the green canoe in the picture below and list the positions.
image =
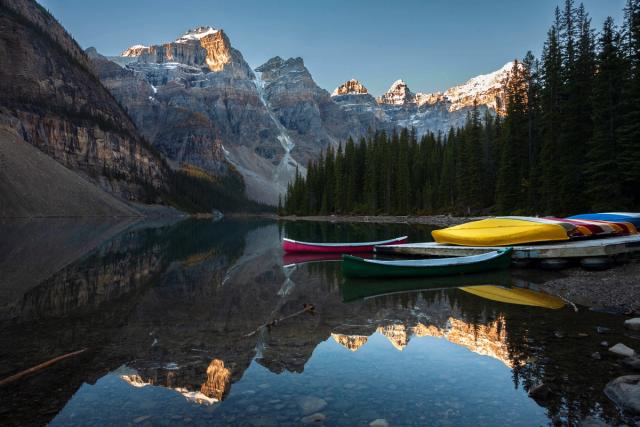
(353, 266)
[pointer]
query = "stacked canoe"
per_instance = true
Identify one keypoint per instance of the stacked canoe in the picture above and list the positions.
(514, 230)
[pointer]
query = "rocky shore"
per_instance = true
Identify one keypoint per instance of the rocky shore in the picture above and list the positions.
(616, 289)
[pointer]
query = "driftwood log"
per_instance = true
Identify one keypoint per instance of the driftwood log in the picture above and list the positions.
(41, 366)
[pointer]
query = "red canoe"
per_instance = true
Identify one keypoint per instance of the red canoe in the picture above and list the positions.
(291, 246)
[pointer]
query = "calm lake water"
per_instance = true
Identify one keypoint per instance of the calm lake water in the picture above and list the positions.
(172, 319)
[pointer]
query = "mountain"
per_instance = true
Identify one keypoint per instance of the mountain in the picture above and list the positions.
(201, 105)
(398, 94)
(51, 99)
(426, 112)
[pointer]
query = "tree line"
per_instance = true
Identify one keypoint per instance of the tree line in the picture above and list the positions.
(568, 142)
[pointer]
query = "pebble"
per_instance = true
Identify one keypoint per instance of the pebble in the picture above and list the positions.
(596, 356)
(604, 343)
(379, 422)
(622, 350)
(632, 324)
(318, 417)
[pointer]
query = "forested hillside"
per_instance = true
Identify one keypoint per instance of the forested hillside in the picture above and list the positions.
(568, 142)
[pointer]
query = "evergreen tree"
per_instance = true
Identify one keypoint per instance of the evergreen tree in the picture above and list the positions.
(628, 132)
(604, 181)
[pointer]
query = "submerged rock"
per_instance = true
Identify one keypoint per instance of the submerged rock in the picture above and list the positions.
(379, 422)
(311, 404)
(625, 393)
(622, 350)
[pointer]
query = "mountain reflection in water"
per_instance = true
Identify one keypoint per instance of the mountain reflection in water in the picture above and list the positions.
(168, 311)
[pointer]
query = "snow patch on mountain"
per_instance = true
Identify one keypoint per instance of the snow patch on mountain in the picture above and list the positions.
(196, 34)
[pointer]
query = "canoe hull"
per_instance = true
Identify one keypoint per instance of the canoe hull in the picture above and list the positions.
(354, 267)
(502, 232)
(292, 246)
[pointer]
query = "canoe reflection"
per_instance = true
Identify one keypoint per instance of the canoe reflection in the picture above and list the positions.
(354, 289)
(495, 286)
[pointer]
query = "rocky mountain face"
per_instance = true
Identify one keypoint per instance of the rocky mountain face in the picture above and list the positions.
(52, 100)
(200, 104)
(351, 87)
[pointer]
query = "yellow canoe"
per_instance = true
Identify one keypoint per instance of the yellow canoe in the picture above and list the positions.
(515, 296)
(504, 231)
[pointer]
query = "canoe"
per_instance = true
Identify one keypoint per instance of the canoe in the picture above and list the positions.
(358, 288)
(593, 228)
(507, 231)
(517, 296)
(628, 217)
(293, 246)
(353, 266)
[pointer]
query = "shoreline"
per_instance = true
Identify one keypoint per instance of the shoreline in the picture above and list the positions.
(437, 220)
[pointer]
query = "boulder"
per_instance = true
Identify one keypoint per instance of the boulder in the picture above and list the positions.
(622, 350)
(625, 393)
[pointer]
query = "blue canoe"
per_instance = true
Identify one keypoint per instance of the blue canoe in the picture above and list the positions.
(632, 217)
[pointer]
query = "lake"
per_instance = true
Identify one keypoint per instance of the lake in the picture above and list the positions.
(172, 319)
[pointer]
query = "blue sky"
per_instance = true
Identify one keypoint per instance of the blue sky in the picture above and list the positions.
(431, 44)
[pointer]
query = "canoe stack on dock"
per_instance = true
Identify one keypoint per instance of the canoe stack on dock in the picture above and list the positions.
(592, 239)
(514, 230)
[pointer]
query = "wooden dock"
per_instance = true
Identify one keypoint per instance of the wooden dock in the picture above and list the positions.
(604, 247)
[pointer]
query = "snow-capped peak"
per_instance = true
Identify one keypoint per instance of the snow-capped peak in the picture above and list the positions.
(398, 94)
(482, 83)
(483, 89)
(196, 34)
(134, 50)
(351, 87)
(396, 84)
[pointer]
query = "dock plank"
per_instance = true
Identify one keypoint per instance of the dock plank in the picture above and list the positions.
(569, 249)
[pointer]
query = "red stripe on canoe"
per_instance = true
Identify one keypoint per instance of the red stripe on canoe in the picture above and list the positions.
(292, 246)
